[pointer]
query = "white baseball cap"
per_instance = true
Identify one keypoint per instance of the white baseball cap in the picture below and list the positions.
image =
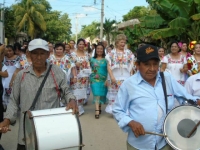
(38, 43)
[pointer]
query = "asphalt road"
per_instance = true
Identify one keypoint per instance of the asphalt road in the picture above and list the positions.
(98, 134)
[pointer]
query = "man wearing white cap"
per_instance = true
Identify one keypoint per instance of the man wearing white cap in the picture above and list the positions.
(26, 86)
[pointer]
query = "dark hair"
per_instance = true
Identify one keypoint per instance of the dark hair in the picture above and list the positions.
(79, 40)
(95, 45)
(17, 46)
(175, 42)
(184, 42)
(95, 54)
(160, 48)
(112, 46)
(11, 47)
(89, 48)
(72, 41)
(60, 44)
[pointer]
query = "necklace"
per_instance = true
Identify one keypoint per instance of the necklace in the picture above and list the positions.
(120, 58)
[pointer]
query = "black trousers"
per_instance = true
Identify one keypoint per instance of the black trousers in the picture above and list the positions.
(21, 147)
(1, 104)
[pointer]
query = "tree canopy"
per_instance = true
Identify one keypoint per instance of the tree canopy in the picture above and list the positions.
(36, 18)
(136, 12)
(175, 19)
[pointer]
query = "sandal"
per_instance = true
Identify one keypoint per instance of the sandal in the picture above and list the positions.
(96, 116)
(100, 109)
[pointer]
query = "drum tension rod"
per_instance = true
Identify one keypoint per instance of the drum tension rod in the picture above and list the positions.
(192, 131)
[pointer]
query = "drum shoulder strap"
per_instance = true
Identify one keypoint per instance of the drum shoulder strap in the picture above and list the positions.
(164, 89)
(40, 89)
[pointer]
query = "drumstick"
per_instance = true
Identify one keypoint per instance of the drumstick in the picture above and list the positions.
(195, 127)
(155, 134)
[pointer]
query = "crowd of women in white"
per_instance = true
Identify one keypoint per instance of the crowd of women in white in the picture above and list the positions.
(102, 68)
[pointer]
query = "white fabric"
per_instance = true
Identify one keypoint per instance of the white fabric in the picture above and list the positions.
(192, 85)
(174, 67)
(160, 112)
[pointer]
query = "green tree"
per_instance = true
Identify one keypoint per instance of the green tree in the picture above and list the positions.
(175, 19)
(30, 15)
(109, 29)
(182, 17)
(58, 27)
(10, 30)
(91, 30)
(136, 12)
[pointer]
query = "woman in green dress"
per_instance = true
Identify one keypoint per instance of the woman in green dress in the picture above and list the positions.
(98, 78)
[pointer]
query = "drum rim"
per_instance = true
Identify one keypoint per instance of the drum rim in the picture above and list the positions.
(80, 131)
(29, 113)
(165, 122)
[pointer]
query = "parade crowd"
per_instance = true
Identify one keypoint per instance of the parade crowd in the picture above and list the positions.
(101, 69)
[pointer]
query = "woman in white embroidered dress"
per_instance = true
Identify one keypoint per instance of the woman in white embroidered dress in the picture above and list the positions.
(83, 70)
(60, 59)
(120, 64)
(25, 62)
(175, 63)
(11, 63)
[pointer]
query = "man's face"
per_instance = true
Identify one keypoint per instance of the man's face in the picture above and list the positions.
(39, 57)
(148, 69)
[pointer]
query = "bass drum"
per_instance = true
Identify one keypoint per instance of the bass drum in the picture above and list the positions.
(177, 126)
(52, 129)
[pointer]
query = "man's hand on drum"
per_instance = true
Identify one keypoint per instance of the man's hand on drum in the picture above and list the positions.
(72, 105)
(137, 128)
(4, 126)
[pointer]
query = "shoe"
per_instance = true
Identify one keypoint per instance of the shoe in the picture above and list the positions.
(100, 109)
(97, 116)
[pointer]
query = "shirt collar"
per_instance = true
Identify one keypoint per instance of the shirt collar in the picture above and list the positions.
(30, 70)
(140, 79)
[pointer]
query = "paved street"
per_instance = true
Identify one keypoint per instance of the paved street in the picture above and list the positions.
(98, 134)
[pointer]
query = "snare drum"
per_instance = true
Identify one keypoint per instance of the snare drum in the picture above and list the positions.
(177, 126)
(52, 129)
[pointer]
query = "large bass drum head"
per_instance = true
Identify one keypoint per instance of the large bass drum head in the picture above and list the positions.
(177, 126)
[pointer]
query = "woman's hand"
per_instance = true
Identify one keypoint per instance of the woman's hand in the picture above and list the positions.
(78, 64)
(74, 79)
(113, 80)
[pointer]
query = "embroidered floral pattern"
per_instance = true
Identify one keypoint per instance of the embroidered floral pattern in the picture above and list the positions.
(121, 59)
(64, 63)
(12, 62)
(99, 70)
(192, 65)
(24, 62)
(82, 82)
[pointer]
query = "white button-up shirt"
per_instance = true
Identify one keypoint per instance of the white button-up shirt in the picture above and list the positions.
(192, 85)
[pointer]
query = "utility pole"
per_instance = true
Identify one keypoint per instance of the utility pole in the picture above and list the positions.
(2, 28)
(76, 27)
(102, 15)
